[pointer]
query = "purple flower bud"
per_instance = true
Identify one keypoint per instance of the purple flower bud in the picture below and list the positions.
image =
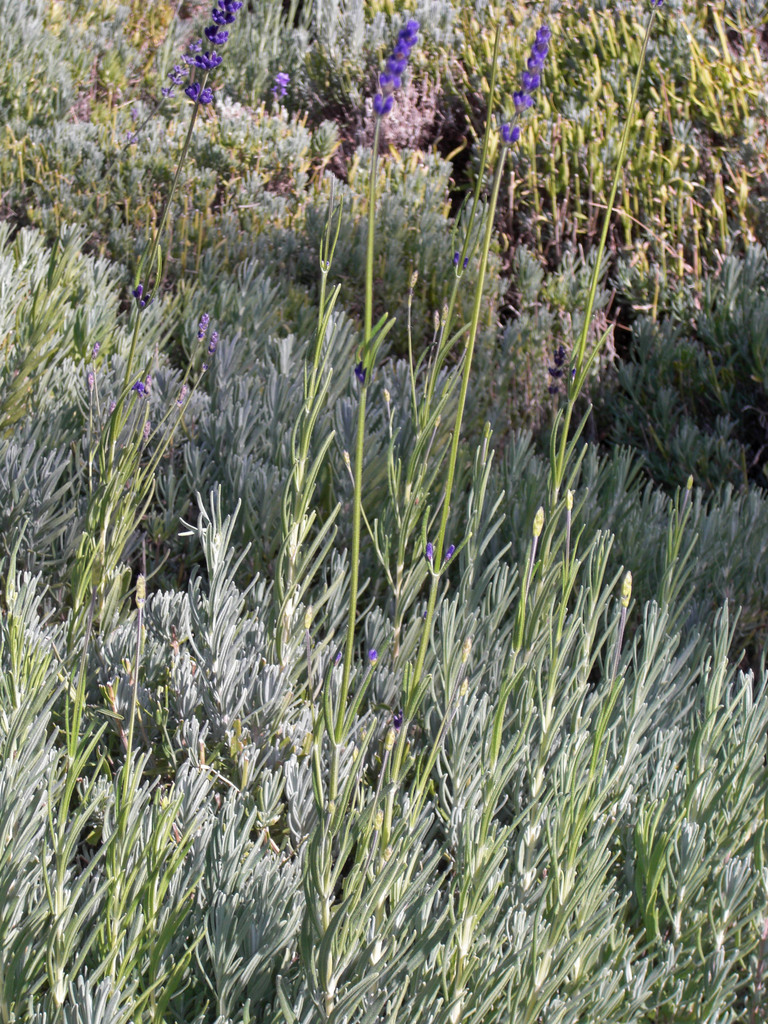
(510, 133)
(456, 258)
(360, 372)
(222, 18)
(139, 387)
(397, 63)
(167, 92)
(337, 659)
(282, 81)
(142, 299)
(196, 46)
(373, 655)
(207, 61)
(213, 342)
(216, 36)
(95, 350)
(397, 720)
(522, 100)
(147, 430)
(530, 81)
(196, 94)
(182, 395)
(389, 83)
(544, 34)
(148, 383)
(449, 552)
(429, 552)
(91, 380)
(382, 104)
(202, 327)
(464, 264)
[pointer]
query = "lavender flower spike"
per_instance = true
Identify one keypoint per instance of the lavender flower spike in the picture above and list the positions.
(282, 81)
(391, 80)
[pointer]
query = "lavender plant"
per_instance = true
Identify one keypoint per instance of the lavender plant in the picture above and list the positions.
(400, 728)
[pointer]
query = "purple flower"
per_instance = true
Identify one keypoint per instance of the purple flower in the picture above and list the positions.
(195, 47)
(360, 372)
(429, 552)
(373, 655)
(182, 395)
(337, 659)
(449, 552)
(95, 350)
(139, 388)
(556, 371)
(91, 380)
(456, 258)
(510, 132)
(202, 327)
(216, 36)
(142, 299)
(397, 720)
(382, 104)
(282, 81)
(530, 80)
(196, 94)
(207, 61)
(212, 344)
(391, 79)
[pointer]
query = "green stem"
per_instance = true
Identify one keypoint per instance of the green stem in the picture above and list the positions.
(453, 457)
(359, 444)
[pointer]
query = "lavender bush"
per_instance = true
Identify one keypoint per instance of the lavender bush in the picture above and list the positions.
(313, 705)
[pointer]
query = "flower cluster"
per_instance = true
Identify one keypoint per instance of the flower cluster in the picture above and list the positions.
(177, 77)
(531, 79)
(391, 79)
(207, 60)
(556, 371)
(141, 298)
(282, 81)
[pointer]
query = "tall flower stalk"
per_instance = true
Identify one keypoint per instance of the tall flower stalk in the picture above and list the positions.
(390, 80)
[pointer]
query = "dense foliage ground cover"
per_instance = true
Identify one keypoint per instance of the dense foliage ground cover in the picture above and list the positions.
(384, 550)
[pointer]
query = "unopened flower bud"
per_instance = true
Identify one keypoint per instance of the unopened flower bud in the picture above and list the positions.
(569, 500)
(538, 522)
(308, 617)
(414, 279)
(626, 590)
(378, 821)
(466, 647)
(389, 740)
(689, 483)
(141, 591)
(347, 463)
